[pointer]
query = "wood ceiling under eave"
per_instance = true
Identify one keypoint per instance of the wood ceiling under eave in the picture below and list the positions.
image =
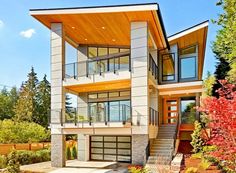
(198, 37)
(88, 28)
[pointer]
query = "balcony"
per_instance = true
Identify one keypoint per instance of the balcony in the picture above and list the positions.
(98, 66)
(97, 116)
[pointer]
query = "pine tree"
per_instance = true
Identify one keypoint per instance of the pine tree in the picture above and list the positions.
(26, 106)
(225, 45)
(44, 100)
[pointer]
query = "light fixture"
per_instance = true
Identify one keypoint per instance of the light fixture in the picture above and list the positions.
(85, 39)
(73, 27)
(103, 27)
(113, 39)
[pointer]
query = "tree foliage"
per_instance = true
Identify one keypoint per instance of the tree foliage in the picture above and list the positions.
(224, 46)
(22, 132)
(7, 102)
(208, 83)
(221, 113)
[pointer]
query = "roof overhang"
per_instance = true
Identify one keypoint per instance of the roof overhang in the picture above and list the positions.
(194, 35)
(105, 25)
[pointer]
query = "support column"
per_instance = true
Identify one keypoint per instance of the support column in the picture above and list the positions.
(57, 94)
(139, 90)
(197, 105)
(83, 147)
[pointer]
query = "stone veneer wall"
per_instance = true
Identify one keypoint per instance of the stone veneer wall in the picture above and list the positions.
(139, 144)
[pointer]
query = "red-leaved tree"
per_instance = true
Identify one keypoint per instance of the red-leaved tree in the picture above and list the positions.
(221, 113)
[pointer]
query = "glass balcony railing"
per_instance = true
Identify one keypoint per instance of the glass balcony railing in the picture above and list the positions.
(99, 113)
(98, 66)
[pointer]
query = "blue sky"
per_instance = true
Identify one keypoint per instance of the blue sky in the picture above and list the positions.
(24, 42)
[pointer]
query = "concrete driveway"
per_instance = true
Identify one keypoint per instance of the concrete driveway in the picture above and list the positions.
(75, 166)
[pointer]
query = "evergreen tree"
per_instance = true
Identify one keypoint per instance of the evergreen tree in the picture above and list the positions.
(44, 100)
(4, 104)
(26, 106)
(225, 45)
(208, 83)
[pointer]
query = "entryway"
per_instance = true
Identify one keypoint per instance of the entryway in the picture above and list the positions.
(170, 111)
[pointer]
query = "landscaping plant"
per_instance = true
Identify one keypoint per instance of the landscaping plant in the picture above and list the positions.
(221, 113)
(197, 142)
(13, 165)
(138, 169)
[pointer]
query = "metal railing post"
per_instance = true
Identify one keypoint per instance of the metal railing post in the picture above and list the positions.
(87, 69)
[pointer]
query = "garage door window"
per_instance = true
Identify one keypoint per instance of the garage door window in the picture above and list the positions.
(110, 148)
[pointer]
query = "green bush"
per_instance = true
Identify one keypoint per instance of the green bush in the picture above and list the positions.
(3, 161)
(13, 165)
(44, 154)
(68, 153)
(197, 142)
(204, 164)
(74, 152)
(22, 132)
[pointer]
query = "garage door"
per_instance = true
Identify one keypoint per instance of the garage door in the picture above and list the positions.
(110, 148)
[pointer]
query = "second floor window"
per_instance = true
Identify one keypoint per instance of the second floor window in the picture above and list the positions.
(188, 63)
(168, 67)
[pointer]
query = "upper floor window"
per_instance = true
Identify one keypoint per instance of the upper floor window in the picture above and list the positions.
(188, 63)
(94, 52)
(168, 67)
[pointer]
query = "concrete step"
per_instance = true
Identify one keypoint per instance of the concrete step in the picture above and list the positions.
(162, 147)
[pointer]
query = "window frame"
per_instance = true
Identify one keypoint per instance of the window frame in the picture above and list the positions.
(186, 56)
(162, 68)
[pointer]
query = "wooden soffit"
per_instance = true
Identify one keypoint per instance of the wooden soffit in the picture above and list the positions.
(100, 86)
(108, 26)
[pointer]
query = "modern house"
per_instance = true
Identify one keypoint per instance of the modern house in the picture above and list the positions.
(136, 88)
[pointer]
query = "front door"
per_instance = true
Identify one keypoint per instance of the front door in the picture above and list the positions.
(171, 109)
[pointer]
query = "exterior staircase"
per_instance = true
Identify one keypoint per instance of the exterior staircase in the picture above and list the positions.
(163, 147)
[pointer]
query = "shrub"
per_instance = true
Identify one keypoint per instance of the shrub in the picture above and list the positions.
(68, 153)
(137, 169)
(204, 164)
(22, 132)
(74, 152)
(25, 157)
(3, 161)
(197, 142)
(191, 170)
(13, 165)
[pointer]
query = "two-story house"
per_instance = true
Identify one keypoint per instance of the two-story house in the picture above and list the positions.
(136, 88)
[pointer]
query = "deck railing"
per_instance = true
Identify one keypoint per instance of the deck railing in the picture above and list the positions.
(153, 68)
(153, 117)
(98, 66)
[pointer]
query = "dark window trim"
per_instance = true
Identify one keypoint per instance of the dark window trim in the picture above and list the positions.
(195, 71)
(162, 67)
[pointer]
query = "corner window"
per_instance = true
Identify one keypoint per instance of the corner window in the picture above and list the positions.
(168, 67)
(188, 63)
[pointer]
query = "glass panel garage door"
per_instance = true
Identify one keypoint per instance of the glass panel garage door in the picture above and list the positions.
(110, 148)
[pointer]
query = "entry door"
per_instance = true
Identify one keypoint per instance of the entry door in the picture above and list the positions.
(171, 109)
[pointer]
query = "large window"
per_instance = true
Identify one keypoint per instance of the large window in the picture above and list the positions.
(168, 67)
(188, 63)
(110, 106)
(110, 111)
(103, 59)
(188, 110)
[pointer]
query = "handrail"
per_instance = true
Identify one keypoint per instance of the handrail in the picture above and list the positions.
(99, 66)
(153, 117)
(153, 67)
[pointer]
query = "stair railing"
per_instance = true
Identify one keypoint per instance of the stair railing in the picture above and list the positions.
(176, 134)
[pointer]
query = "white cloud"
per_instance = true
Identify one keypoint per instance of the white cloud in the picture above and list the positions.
(1, 24)
(27, 33)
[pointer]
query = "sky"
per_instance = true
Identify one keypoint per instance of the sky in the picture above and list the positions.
(24, 42)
